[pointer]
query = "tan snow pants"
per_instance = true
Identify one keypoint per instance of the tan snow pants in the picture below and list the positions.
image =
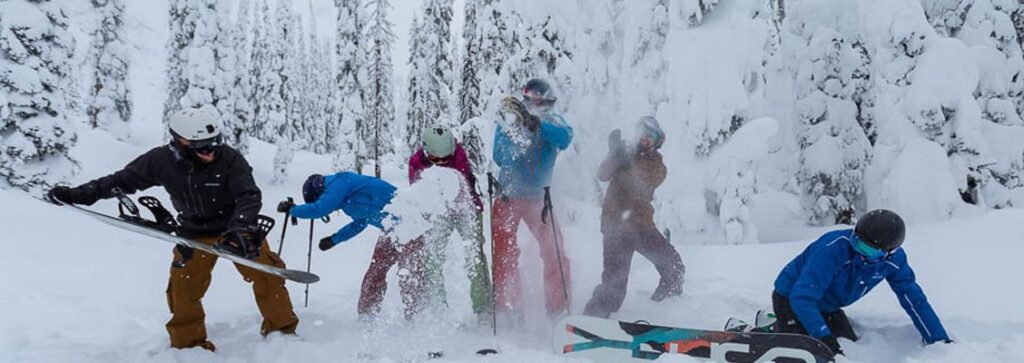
(187, 285)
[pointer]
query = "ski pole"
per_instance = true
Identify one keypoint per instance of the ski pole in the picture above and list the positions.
(309, 259)
(287, 215)
(549, 210)
(494, 298)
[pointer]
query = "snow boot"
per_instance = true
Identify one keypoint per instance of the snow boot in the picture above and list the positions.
(665, 291)
(736, 326)
(764, 322)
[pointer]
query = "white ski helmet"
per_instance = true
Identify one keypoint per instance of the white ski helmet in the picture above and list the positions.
(195, 124)
(438, 141)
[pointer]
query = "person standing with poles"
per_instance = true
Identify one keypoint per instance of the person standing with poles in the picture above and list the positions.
(212, 188)
(627, 219)
(525, 151)
(440, 149)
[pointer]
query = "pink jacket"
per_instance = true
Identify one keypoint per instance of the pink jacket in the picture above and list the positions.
(457, 160)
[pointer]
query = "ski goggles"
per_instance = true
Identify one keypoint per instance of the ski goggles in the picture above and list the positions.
(866, 250)
(531, 98)
(207, 146)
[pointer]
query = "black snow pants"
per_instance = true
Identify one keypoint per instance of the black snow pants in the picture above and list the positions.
(787, 322)
(619, 245)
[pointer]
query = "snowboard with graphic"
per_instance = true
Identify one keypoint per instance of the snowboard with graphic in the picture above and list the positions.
(604, 340)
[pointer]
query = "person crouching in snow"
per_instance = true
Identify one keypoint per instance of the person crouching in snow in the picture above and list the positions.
(841, 267)
(627, 219)
(440, 149)
(363, 198)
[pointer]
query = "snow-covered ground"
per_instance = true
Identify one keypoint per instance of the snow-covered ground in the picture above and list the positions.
(76, 290)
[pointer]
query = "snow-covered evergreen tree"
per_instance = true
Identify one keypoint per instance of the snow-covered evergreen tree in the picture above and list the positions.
(694, 12)
(473, 67)
(35, 133)
(225, 93)
(182, 26)
(243, 83)
(282, 79)
(380, 99)
(197, 55)
(645, 61)
(296, 82)
(349, 96)
(109, 104)
(430, 73)
(834, 148)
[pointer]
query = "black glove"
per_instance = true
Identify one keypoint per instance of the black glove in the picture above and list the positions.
(617, 148)
(531, 122)
(186, 255)
(326, 243)
(514, 106)
(285, 206)
(833, 344)
(240, 241)
(59, 195)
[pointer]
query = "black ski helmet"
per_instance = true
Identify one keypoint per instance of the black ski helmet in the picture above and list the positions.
(313, 188)
(882, 229)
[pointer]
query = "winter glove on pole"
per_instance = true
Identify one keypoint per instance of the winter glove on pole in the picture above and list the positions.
(833, 344)
(287, 210)
(286, 206)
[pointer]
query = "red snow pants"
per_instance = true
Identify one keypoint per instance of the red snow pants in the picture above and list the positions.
(505, 217)
(409, 257)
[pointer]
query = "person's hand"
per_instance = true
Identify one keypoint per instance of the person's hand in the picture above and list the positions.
(326, 243)
(531, 122)
(240, 243)
(59, 195)
(285, 206)
(615, 141)
(833, 344)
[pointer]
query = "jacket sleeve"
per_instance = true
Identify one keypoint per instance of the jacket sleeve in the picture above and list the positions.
(248, 197)
(349, 230)
(609, 167)
(327, 203)
(416, 166)
(815, 277)
(557, 133)
(502, 154)
(138, 175)
(915, 303)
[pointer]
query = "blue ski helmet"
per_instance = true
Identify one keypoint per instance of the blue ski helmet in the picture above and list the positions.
(313, 188)
(648, 126)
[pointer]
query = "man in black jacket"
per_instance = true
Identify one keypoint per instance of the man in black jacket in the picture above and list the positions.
(212, 188)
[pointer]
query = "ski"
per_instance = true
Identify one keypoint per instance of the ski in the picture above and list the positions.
(604, 340)
(293, 275)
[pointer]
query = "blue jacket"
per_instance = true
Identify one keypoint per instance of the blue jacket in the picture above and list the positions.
(830, 275)
(526, 171)
(361, 197)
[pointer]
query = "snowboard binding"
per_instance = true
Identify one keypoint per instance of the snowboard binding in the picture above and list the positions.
(246, 241)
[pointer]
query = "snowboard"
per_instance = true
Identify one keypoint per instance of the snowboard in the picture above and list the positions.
(604, 340)
(293, 275)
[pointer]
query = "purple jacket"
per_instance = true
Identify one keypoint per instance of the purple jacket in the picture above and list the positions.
(457, 160)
